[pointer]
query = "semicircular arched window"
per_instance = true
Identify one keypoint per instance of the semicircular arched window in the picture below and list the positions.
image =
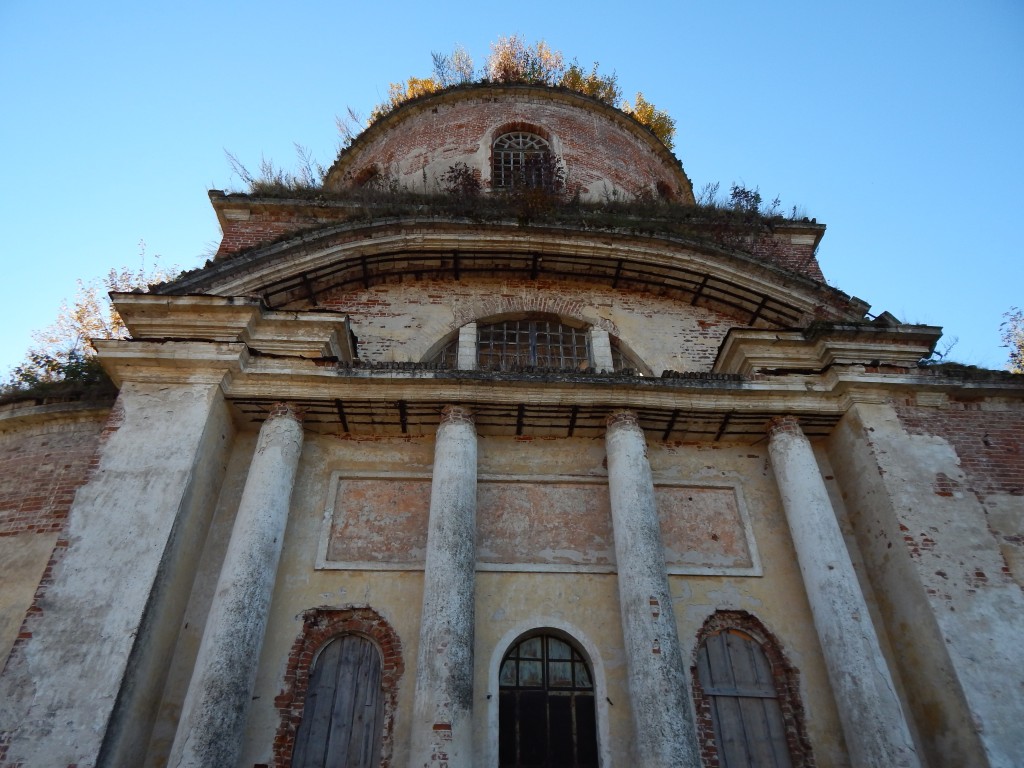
(521, 159)
(533, 341)
(542, 342)
(546, 716)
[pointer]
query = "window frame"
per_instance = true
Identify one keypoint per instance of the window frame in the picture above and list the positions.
(536, 341)
(521, 158)
(575, 695)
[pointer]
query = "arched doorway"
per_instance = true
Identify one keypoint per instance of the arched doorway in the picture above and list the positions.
(735, 677)
(546, 705)
(342, 718)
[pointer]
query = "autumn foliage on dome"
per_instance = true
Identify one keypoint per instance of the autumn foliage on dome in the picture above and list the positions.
(512, 60)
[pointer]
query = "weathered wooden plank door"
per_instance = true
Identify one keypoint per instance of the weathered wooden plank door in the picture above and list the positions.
(736, 676)
(342, 718)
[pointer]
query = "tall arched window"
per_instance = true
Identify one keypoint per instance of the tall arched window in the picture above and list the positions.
(546, 716)
(343, 714)
(747, 696)
(521, 159)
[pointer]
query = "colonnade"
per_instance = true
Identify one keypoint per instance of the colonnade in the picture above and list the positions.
(212, 722)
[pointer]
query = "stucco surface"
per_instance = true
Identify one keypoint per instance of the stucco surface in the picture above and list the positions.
(23, 560)
(410, 321)
(92, 616)
(947, 595)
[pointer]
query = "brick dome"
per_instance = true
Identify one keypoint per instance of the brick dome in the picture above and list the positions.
(605, 153)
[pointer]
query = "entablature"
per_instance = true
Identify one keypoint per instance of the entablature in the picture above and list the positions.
(750, 351)
(298, 272)
(310, 333)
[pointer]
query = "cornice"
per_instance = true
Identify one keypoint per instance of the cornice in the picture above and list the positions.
(750, 351)
(312, 334)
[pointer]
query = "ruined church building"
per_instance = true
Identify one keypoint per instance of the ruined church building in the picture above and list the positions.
(501, 453)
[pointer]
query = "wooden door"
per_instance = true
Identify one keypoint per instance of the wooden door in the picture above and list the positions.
(736, 676)
(342, 720)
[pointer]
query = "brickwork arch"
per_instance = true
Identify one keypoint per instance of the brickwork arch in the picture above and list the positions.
(437, 335)
(490, 308)
(319, 627)
(518, 126)
(785, 676)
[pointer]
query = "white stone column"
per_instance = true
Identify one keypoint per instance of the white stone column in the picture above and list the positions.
(213, 717)
(876, 731)
(657, 676)
(443, 706)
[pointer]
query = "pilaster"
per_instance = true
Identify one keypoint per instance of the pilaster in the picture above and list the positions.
(84, 683)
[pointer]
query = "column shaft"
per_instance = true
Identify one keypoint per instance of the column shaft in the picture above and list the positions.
(213, 717)
(873, 722)
(443, 706)
(657, 679)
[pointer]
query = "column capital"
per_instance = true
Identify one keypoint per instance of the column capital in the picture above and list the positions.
(624, 418)
(456, 414)
(282, 409)
(784, 425)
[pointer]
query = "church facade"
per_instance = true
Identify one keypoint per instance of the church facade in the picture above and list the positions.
(499, 451)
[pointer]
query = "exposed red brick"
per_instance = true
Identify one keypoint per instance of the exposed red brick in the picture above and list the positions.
(40, 469)
(787, 686)
(989, 444)
(319, 626)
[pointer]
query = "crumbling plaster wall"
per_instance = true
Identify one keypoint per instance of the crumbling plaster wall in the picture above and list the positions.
(108, 619)
(946, 591)
(45, 455)
(777, 598)
(406, 322)
(508, 601)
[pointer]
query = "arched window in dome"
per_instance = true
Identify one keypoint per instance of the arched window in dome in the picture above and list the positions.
(521, 159)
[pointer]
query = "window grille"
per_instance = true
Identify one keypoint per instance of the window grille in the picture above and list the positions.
(546, 706)
(621, 360)
(512, 344)
(521, 160)
(448, 357)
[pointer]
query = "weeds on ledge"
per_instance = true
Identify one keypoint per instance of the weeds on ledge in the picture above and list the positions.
(45, 377)
(271, 181)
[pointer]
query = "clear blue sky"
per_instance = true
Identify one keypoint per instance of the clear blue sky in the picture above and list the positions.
(898, 124)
